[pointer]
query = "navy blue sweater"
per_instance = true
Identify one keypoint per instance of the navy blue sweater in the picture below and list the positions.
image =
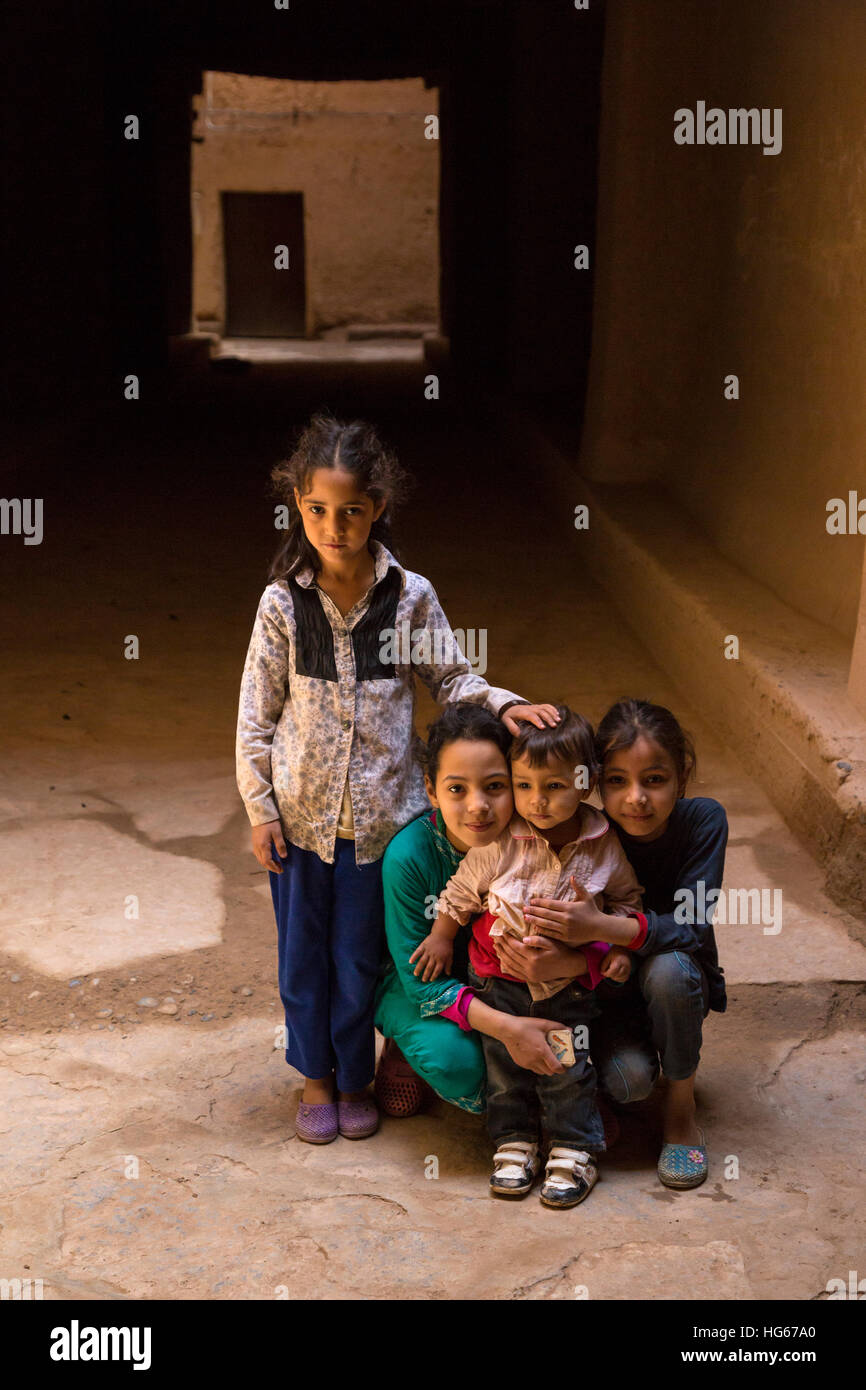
(691, 849)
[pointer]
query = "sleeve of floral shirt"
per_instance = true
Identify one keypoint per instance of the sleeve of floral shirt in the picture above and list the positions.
(263, 695)
(452, 678)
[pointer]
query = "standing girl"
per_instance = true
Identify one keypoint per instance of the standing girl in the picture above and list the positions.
(327, 753)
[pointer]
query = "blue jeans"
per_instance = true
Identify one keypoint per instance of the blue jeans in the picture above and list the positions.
(656, 1016)
(518, 1101)
(330, 937)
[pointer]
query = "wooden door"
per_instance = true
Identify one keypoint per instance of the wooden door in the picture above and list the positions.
(262, 301)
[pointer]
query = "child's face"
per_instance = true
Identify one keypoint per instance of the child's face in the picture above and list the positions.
(472, 792)
(640, 787)
(545, 796)
(336, 515)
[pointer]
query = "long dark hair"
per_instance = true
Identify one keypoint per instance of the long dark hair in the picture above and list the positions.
(328, 443)
(624, 723)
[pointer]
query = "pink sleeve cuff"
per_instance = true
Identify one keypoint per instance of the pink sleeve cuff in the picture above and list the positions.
(595, 952)
(458, 1011)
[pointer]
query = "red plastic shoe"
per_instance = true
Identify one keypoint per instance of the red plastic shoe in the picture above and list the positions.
(398, 1090)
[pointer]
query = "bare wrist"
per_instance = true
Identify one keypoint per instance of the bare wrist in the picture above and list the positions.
(579, 962)
(618, 931)
(502, 1027)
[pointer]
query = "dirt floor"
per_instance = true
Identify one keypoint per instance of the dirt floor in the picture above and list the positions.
(147, 1117)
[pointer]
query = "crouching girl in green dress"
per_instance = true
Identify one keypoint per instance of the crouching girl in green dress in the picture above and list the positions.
(432, 1030)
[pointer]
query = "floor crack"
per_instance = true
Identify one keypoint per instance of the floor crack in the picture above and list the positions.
(835, 1006)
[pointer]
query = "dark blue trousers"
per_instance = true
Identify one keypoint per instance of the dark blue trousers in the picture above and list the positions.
(518, 1101)
(330, 938)
(655, 1016)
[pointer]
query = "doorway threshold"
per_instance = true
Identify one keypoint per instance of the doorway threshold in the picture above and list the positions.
(409, 350)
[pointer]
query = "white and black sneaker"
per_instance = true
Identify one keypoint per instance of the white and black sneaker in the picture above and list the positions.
(569, 1177)
(515, 1168)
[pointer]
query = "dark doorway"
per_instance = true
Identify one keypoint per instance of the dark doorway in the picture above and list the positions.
(261, 300)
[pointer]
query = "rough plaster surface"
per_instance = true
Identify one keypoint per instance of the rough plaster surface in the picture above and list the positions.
(719, 260)
(370, 179)
(781, 704)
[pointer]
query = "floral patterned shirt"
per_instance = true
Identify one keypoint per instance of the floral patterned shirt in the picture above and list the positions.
(326, 697)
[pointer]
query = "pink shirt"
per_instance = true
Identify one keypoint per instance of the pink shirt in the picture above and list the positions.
(520, 864)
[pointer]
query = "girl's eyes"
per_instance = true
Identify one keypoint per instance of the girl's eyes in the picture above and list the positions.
(350, 511)
(456, 790)
(654, 779)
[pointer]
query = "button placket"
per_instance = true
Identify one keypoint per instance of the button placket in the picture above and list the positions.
(345, 664)
(345, 675)
(552, 870)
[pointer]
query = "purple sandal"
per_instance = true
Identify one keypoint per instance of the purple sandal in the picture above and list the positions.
(317, 1124)
(357, 1119)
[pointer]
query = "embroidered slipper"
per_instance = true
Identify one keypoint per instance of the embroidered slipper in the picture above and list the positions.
(569, 1177)
(317, 1124)
(357, 1119)
(684, 1165)
(399, 1091)
(515, 1168)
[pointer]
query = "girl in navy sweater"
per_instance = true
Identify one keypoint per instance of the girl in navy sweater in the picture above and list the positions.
(676, 846)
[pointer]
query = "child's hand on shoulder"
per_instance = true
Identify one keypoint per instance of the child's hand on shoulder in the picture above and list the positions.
(433, 957)
(617, 964)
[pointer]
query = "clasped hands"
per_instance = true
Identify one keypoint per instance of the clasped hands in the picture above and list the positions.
(569, 924)
(555, 928)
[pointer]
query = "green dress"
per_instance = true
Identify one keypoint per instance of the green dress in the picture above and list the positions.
(417, 864)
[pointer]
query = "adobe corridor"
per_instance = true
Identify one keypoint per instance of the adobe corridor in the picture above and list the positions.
(149, 1147)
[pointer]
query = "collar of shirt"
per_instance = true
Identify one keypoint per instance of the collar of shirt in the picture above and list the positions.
(382, 561)
(592, 825)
